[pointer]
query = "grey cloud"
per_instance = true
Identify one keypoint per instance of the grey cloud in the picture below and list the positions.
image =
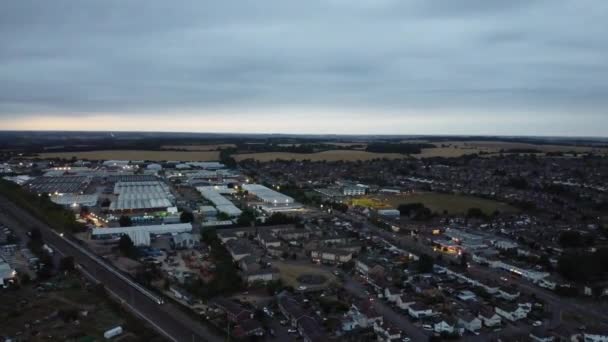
(133, 56)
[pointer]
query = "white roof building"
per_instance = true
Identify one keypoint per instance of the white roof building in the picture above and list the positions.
(267, 195)
(75, 200)
(141, 195)
(222, 204)
(140, 235)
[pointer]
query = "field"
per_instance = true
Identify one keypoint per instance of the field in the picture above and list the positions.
(137, 155)
(454, 204)
(291, 272)
(459, 148)
(331, 155)
(213, 147)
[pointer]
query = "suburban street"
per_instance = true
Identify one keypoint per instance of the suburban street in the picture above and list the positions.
(167, 318)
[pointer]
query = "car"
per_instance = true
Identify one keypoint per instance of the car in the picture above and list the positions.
(427, 327)
(537, 323)
(302, 288)
(291, 331)
(406, 339)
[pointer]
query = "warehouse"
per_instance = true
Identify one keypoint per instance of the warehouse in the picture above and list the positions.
(69, 200)
(214, 195)
(140, 235)
(267, 195)
(142, 195)
(59, 185)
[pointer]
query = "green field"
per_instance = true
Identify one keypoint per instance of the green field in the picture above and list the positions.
(438, 203)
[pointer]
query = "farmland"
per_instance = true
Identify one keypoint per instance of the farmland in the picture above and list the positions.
(331, 155)
(136, 155)
(450, 149)
(211, 147)
(438, 203)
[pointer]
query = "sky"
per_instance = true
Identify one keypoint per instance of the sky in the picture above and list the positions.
(480, 67)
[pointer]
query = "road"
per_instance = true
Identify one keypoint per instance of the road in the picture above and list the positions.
(167, 319)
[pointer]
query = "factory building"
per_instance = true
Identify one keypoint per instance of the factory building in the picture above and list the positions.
(145, 195)
(214, 195)
(273, 201)
(74, 201)
(267, 195)
(140, 235)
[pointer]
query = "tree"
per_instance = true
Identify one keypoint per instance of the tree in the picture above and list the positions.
(476, 213)
(127, 247)
(464, 260)
(222, 216)
(66, 264)
(125, 221)
(186, 217)
(425, 263)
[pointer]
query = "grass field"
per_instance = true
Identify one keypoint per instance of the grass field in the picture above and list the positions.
(460, 148)
(454, 204)
(331, 155)
(214, 147)
(291, 272)
(137, 155)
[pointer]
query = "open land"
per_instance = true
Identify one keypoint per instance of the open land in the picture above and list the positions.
(211, 147)
(291, 272)
(331, 155)
(453, 204)
(453, 149)
(52, 308)
(136, 155)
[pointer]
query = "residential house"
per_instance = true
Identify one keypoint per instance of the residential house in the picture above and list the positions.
(386, 332)
(367, 267)
(262, 275)
(238, 249)
(268, 240)
(392, 293)
(419, 310)
(469, 322)
(330, 256)
(595, 335)
(511, 311)
(508, 293)
(489, 317)
(234, 311)
(403, 302)
(444, 325)
(540, 334)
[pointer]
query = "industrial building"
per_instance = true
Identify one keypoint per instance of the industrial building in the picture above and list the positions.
(273, 201)
(267, 195)
(214, 195)
(141, 195)
(70, 200)
(59, 185)
(140, 235)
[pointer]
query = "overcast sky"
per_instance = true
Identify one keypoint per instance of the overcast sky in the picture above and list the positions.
(516, 67)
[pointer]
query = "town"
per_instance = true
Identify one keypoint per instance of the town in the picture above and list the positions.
(503, 246)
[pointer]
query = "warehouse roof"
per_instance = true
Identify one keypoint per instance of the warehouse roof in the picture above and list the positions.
(266, 194)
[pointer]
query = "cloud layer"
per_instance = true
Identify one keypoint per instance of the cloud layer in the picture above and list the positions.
(343, 66)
